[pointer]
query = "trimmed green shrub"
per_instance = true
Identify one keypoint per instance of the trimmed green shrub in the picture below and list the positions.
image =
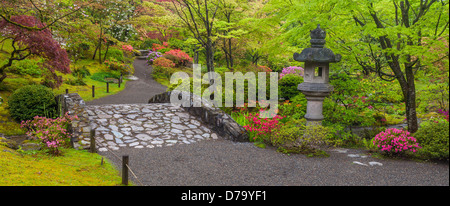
(433, 137)
(286, 135)
(295, 137)
(288, 86)
(101, 76)
(33, 100)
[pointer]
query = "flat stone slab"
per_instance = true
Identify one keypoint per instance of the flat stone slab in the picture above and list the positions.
(144, 126)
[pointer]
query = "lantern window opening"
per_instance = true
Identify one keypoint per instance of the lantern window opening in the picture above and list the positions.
(318, 72)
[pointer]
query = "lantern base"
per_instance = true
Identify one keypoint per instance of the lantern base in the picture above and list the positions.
(315, 93)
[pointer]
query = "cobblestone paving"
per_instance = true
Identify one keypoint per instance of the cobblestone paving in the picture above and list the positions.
(144, 126)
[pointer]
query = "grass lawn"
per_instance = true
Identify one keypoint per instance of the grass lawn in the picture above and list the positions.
(86, 91)
(73, 168)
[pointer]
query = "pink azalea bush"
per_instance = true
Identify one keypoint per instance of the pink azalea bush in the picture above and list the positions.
(52, 133)
(127, 48)
(261, 126)
(292, 70)
(444, 113)
(396, 141)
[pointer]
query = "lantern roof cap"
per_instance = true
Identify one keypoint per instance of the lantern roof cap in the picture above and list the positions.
(317, 52)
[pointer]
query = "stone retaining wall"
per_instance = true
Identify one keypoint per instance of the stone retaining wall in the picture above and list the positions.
(75, 105)
(218, 120)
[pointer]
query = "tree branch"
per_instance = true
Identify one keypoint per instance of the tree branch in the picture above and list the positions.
(358, 21)
(36, 28)
(445, 27)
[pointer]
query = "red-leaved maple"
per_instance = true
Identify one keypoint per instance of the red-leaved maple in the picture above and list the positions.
(26, 42)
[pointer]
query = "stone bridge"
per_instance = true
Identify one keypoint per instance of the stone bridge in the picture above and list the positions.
(155, 124)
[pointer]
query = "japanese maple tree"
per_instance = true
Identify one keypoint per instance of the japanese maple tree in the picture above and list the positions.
(28, 42)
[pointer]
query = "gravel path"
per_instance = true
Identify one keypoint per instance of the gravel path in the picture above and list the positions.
(221, 162)
(226, 163)
(138, 91)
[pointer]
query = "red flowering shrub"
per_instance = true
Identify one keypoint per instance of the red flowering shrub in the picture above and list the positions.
(162, 67)
(157, 47)
(180, 57)
(127, 48)
(163, 63)
(259, 127)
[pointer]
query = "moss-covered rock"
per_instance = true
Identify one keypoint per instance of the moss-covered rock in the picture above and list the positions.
(9, 143)
(28, 146)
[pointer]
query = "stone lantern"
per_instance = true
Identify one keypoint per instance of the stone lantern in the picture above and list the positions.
(316, 75)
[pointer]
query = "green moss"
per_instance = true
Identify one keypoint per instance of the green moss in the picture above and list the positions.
(75, 167)
(8, 126)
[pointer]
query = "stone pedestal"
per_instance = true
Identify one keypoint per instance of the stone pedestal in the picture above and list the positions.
(315, 94)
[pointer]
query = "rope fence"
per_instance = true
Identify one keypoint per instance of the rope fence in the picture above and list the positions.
(93, 88)
(125, 160)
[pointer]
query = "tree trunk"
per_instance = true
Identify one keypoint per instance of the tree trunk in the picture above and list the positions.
(411, 114)
(106, 52)
(230, 53)
(224, 48)
(100, 50)
(410, 100)
(3, 77)
(100, 44)
(196, 56)
(210, 56)
(228, 61)
(95, 52)
(409, 93)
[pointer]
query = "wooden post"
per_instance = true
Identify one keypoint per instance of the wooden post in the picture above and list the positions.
(92, 148)
(93, 91)
(107, 87)
(125, 170)
(120, 79)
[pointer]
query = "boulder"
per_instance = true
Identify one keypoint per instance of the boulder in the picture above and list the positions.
(30, 146)
(9, 143)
